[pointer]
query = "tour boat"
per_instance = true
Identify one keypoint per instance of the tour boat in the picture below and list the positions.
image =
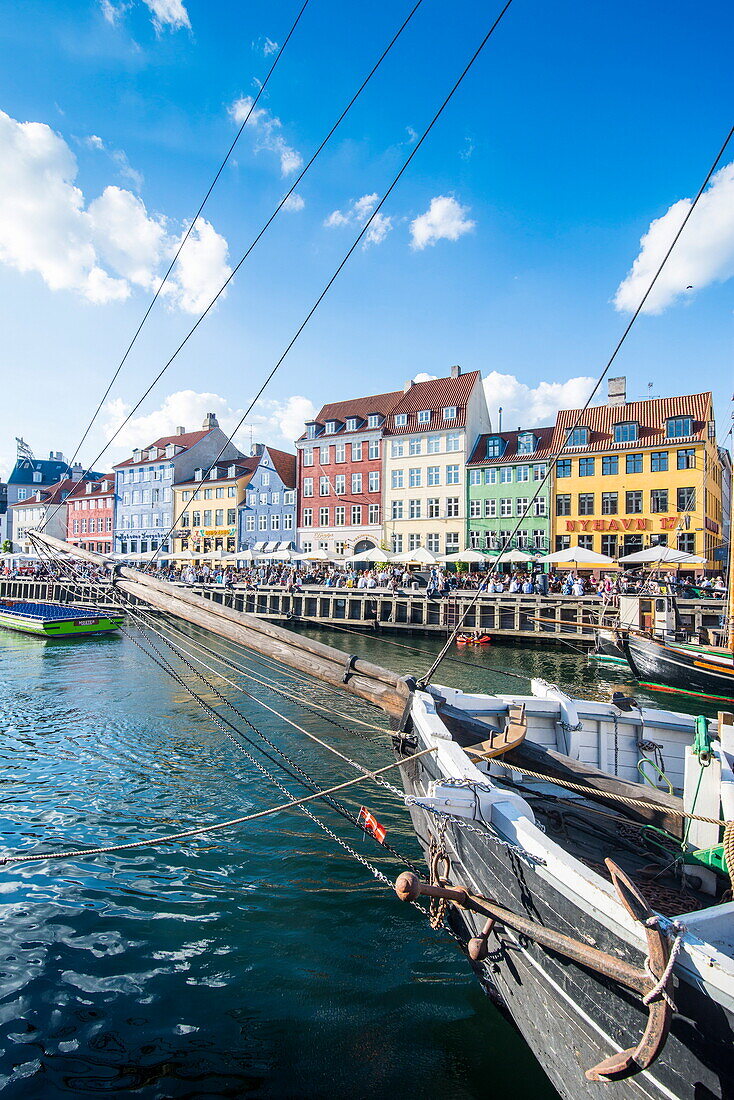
(56, 620)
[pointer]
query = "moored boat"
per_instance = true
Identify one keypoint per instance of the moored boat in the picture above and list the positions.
(669, 666)
(56, 620)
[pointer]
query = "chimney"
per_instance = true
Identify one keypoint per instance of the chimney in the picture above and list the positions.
(76, 472)
(499, 419)
(407, 385)
(455, 371)
(180, 430)
(617, 391)
(210, 421)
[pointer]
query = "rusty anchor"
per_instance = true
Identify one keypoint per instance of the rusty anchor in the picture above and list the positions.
(652, 984)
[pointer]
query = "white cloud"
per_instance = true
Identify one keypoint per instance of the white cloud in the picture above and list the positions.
(98, 250)
(358, 212)
(379, 228)
(445, 219)
(704, 254)
(423, 377)
(275, 422)
(165, 13)
(528, 407)
(294, 203)
(269, 47)
(267, 128)
(118, 157)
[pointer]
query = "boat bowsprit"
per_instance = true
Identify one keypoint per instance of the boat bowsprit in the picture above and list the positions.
(56, 620)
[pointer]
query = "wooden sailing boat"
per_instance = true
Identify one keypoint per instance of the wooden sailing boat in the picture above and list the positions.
(599, 927)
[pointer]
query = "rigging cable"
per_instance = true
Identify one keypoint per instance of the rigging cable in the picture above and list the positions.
(257, 237)
(425, 679)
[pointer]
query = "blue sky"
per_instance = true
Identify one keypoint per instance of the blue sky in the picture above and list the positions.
(580, 125)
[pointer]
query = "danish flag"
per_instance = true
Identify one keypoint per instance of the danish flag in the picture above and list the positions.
(371, 825)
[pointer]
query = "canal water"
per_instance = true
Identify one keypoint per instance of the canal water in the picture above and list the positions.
(264, 961)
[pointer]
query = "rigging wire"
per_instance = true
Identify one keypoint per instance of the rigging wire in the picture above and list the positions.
(257, 237)
(364, 230)
(554, 459)
(184, 239)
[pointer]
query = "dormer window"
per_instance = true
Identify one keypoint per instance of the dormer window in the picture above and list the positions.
(450, 413)
(89, 486)
(525, 443)
(330, 427)
(577, 437)
(678, 427)
(626, 432)
(105, 486)
(374, 420)
(231, 471)
(424, 416)
(351, 424)
(310, 431)
(213, 474)
(401, 420)
(170, 450)
(136, 455)
(198, 474)
(37, 476)
(495, 446)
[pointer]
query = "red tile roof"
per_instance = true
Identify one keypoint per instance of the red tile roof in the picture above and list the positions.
(543, 449)
(96, 490)
(651, 415)
(361, 407)
(50, 494)
(285, 466)
(433, 395)
(244, 467)
(188, 439)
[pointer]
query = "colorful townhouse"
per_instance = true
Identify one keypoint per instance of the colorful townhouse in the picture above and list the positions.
(267, 514)
(31, 473)
(47, 508)
(504, 472)
(428, 437)
(144, 483)
(90, 515)
(340, 475)
(635, 473)
(207, 507)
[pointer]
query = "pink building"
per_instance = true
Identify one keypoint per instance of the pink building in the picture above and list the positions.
(90, 516)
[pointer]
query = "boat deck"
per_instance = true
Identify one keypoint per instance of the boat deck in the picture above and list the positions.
(50, 612)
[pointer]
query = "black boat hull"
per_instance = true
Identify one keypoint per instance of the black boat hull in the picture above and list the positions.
(570, 1017)
(672, 668)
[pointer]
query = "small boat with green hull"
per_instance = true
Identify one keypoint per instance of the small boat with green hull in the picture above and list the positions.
(56, 620)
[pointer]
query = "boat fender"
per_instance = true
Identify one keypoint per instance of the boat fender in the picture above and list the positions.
(623, 702)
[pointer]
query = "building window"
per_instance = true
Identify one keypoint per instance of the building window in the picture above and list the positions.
(356, 452)
(433, 444)
(563, 467)
(453, 441)
(577, 437)
(307, 517)
(231, 517)
(475, 509)
(450, 413)
(424, 416)
(633, 502)
(586, 504)
(351, 424)
(340, 485)
(262, 523)
(356, 515)
(452, 475)
(626, 432)
(401, 420)
(678, 427)
(687, 542)
(687, 459)
(686, 499)
(634, 464)
(373, 420)
(506, 506)
(540, 506)
(490, 477)
(414, 509)
(563, 542)
(433, 475)
(323, 517)
(397, 544)
(452, 542)
(586, 542)
(658, 462)
(397, 479)
(658, 500)
(288, 521)
(330, 427)
(397, 448)
(433, 508)
(218, 517)
(324, 455)
(414, 477)
(610, 465)
(586, 467)
(522, 473)
(495, 447)
(307, 489)
(356, 483)
(373, 481)
(340, 515)
(506, 475)
(475, 477)
(340, 452)
(452, 507)
(323, 486)
(396, 509)
(415, 446)
(374, 448)
(525, 443)
(275, 522)
(522, 504)
(310, 431)
(563, 504)
(609, 545)
(373, 513)
(490, 508)
(609, 504)
(433, 543)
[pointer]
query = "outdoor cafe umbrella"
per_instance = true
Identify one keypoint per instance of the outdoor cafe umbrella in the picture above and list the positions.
(419, 556)
(514, 556)
(374, 554)
(660, 554)
(314, 555)
(275, 555)
(577, 555)
(469, 556)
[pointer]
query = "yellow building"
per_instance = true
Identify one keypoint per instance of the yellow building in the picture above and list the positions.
(633, 474)
(207, 517)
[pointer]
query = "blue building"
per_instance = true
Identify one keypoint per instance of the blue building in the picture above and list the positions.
(144, 483)
(268, 514)
(31, 474)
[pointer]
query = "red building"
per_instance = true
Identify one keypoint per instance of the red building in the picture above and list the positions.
(90, 515)
(339, 475)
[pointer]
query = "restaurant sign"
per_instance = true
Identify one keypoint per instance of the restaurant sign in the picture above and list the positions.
(667, 523)
(215, 532)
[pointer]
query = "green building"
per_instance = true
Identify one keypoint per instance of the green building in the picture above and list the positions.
(502, 476)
